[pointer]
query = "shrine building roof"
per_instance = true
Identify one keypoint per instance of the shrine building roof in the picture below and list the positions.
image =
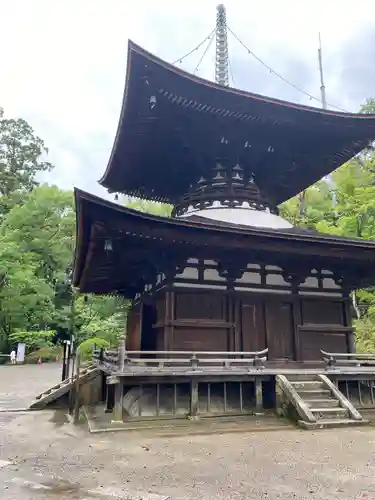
(174, 127)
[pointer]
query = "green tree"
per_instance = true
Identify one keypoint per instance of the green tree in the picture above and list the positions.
(101, 317)
(355, 209)
(369, 106)
(33, 340)
(22, 158)
(26, 300)
(44, 225)
(150, 207)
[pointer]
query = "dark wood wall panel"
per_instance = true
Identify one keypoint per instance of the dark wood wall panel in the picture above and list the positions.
(159, 333)
(200, 306)
(213, 321)
(313, 341)
(328, 316)
(133, 330)
(160, 307)
(322, 312)
(200, 339)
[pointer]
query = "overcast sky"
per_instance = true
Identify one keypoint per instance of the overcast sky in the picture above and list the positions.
(63, 61)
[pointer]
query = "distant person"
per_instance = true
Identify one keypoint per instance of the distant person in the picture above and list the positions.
(13, 357)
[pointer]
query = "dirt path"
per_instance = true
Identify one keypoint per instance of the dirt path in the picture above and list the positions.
(20, 384)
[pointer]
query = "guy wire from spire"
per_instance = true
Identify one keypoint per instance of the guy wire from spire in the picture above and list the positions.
(180, 59)
(279, 75)
(204, 53)
(231, 72)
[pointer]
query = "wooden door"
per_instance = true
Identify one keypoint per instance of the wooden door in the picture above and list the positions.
(253, 333)
(280, 330)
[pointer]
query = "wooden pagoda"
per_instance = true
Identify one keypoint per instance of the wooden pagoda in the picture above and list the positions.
(224, 274)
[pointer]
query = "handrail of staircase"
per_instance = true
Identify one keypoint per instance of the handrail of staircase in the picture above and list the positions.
(302, 409)
(343, 401)
(340, 358)
(122, 358)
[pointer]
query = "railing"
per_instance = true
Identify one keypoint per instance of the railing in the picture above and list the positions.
(176, 400)
(361, 393)
(333, 359)
(122, 360)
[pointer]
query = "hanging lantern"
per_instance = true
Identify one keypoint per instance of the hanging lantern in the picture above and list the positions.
(108, 246)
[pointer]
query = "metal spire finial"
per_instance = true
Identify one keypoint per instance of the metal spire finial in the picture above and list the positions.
(221, 62)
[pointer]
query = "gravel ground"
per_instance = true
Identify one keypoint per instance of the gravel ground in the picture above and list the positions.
(20, 384)
(44, 457)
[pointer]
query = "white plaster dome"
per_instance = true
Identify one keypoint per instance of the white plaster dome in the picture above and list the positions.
(243, 215)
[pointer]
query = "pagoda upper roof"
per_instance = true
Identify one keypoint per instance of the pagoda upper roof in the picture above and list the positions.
(174, 127)
(139, 242)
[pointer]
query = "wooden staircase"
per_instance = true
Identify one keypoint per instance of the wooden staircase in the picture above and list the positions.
(317, 402)
(59, 390)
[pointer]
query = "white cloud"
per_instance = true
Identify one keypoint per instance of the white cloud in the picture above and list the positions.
(63, 61)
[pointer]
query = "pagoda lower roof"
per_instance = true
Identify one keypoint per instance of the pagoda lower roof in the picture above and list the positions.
(116, 247)
(174, 127)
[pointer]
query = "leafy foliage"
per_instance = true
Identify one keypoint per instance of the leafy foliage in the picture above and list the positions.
(21, 159)
(150, 207)
(86, 347)
(51, 353)
(33, 340)
(37, 239)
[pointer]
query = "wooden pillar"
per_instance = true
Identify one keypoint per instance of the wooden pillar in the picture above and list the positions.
(269, 393)
(295, 278)
(258, 396)
(169, 319)
(109, 398)
(117, 410)
(237, 323)
(121, 356)
(232, 340)
(194, 400)
(348, 321)
(297, 321)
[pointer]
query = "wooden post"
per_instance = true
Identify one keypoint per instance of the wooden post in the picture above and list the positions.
(297, 321)
(169, 318)
(77, 387)
(194, 400)
(348, 321)
(117, 413)
(121, 356)
(109, 397)
(258, 396)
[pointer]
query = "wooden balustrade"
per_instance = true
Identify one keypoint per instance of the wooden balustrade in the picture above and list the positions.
(333, 359)
(122, 360)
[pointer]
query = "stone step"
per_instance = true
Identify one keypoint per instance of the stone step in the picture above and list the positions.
(301, 377)
(301, 385)
(329, 413)
(331, 423)
(314, 393)
(322, 403)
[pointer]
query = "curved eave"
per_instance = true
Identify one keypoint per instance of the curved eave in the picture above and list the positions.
(92, 209)
(131, 152)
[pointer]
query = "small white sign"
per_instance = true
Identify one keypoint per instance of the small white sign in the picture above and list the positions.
(20, 353)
